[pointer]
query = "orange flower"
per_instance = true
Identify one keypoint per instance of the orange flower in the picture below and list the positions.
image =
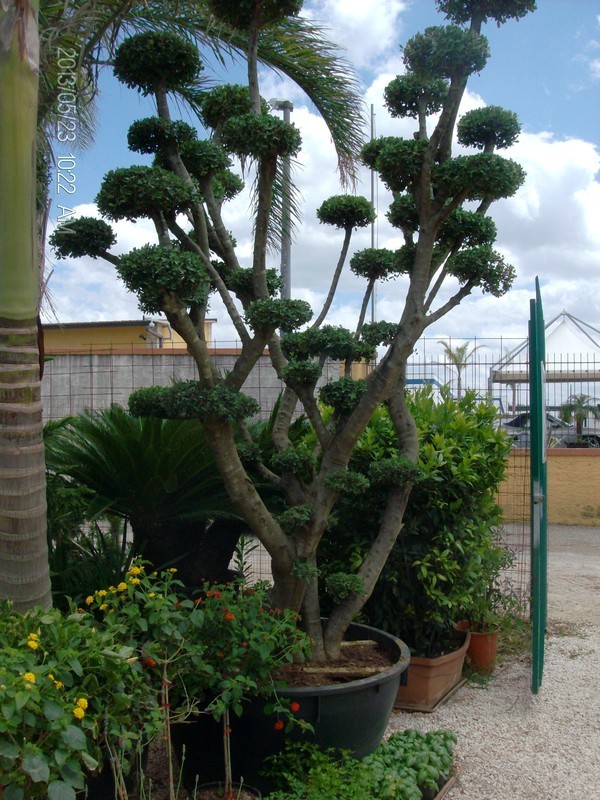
(294, 707)
(278, 725)
(229, 616)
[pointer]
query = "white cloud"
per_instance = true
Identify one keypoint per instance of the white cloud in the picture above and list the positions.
(550, 228)
(379, 23)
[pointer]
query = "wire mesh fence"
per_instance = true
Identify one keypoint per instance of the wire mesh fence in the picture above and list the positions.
(495, 369)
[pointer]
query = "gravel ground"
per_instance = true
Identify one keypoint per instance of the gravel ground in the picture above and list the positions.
(513, 745)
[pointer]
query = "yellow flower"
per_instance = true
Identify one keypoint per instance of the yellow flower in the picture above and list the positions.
(33, 644)
(78, 712)
(29, 677)
(151, 594)
(33, 636)
(82, 702)
(134, 571)
(121, 587)
(172, 569)
(89, 600)
(102, 593)
(102, 607)
(58, 684)
(135, 581)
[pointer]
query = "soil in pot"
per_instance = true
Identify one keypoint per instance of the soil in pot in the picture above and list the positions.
(347, 710)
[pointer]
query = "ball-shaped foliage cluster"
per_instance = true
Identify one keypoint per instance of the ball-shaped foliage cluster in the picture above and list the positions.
(482, 266)
(500, 11)
(227, 185)
(398, 161)
(374, 263)
(446, 52)
(408, 95)
(152, 272)
(240, 13)
(301, 373)
(154, 134)
(189, 400)
(403, 214)
(482, 176)
(379, 333)
(154, 59)
(133, 192)
(347, 481)
(487, 127)
(466, 228)
(84, 236)
(241, 281)
(203, 158)
(335, 342)
(346, 211)
(269, 314)
(223, 102)
(343, 395)
(260, 135)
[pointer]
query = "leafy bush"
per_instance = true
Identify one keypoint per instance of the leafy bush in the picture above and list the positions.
(448, 537)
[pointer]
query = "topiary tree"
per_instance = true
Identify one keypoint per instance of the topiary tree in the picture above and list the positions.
(445, 245)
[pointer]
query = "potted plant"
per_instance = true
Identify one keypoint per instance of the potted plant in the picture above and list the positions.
(491, 604)
(579, 408)
(447, 552)
(185, 193)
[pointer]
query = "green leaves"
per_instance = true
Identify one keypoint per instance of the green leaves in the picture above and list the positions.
(84, 236)
(155, 272)
(488, 127)
(346, 211)
(408, 95)
(258, 136)
(188, 400)
(446, 52)
(133, 192)
(241, 13)
(152, 59)
(479, 177)
(268, 314)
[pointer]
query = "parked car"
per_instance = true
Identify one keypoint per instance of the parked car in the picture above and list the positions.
(559, 433)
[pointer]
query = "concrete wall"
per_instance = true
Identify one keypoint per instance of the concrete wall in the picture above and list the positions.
(573, 486)
(76, 381)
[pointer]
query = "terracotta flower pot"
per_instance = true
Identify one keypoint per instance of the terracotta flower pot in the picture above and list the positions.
(482, 651)
(430, 680)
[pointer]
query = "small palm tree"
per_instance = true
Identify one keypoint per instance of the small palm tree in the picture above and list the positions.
(458, 358)
(578, 408)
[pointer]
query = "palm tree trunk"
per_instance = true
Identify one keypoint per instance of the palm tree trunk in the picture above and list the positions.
(24, 572)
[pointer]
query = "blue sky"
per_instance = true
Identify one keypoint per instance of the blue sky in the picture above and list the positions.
(545, 67)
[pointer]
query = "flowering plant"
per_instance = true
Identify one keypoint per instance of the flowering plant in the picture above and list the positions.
(203, 654)
(69, 696)
(212, 650)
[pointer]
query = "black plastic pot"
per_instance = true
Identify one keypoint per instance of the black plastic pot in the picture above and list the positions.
(352, 716)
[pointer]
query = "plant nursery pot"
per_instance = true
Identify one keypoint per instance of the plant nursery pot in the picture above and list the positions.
(431, 680)
(482, 651)
(351, 716)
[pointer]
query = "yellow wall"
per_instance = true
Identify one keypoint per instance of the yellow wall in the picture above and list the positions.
(573, 486)
(112, 335)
